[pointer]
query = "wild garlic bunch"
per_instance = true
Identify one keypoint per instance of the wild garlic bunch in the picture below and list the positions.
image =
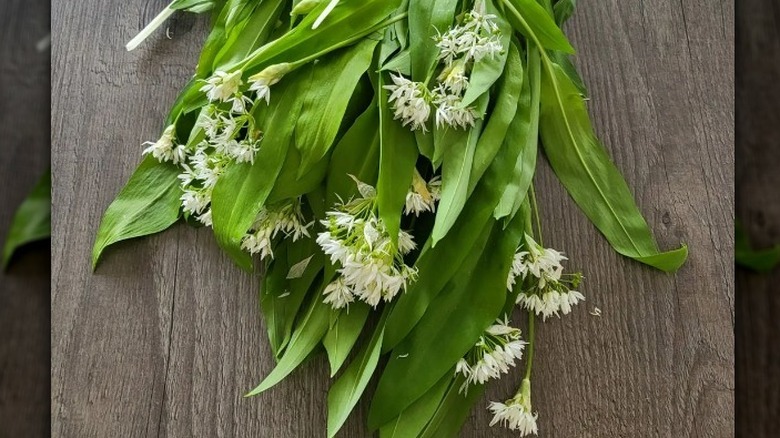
(376, 157)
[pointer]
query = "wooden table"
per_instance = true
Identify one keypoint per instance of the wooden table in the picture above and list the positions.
(24, 157)
(166, 336)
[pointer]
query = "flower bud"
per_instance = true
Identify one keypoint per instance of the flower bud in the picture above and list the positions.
(305, 6)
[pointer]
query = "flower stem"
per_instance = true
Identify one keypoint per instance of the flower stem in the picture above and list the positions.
(535, 208)
(531, 342)
(150, 28)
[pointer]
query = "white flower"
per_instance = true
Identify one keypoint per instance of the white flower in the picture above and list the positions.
(410, 102)
(516, 413)
(422, 197)
(338, 294)
(164, 150)
(262, 82)
(356, 239)
(454, 79)
(222, 86)
(285, 218)
(474, 39)
(450, 110)
(195, 201)
(242, 151)
(550, 302)
(494, 354)
(514, 416)
(241, 103)
(205, 218)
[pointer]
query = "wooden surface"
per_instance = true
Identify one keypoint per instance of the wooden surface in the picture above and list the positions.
(758, 207)
(24, 156)
(165, 338)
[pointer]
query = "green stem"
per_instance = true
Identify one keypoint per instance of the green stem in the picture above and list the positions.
(535, 208)
(531, 342)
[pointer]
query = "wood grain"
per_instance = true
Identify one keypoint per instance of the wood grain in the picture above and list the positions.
(24, 288)
(758, 207)
(166, 336)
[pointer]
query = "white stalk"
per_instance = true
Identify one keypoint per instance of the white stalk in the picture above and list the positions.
(328, 9)
(151, 27)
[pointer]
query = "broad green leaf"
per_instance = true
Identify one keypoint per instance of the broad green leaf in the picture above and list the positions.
(356, 154)
(413, 420)
(590, 177)
(524, 130)
(451, 325)
(281, 297)
(32, 221)
(303, 341)
(398, 156)
(531, 19)
(426, 20)
(453, 410)
(343, 334)
(496, 129)
(289, 185)
(757, 260)
(400, 63)
(325, 101)
(149, 203)
(350, 21)
(437, 265)
(564, 9)
(346, 391)
(487, 70)
(253, 33)
(244, 188)
(456, 175)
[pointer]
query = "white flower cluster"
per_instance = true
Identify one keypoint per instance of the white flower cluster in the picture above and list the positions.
(545, 290)
(229, 137)
(516, 413)
(422, 196)
(475, 38)
(494, 354)
(284, 218)
(372, 267)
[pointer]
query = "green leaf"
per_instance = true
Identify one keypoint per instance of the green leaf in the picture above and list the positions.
(757, 260)
(398, 156)
(451, 325)
(564, 9)
(426, 19)
(453, 410)
(149, 203)
(496, 129)
(455, 175)
(32, 221)
(289, 185)
(413, 420)
(591, 178)
(350, 21)
(437, 265)
(281, 297)
(305, 338)
(487, 70)
(346, 391)
(528, 14)
(325, 102)
(243, 189)
(356, 154)
(524, 130)
(255, 31)
(343, 334)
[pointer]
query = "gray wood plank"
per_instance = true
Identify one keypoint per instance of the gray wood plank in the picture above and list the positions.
(758, 207)
(166, 336)
(24, 289)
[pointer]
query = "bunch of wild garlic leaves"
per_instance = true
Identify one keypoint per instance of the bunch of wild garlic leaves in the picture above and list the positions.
(378, 156)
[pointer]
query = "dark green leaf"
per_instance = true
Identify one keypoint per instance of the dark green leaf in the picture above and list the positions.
(591, 178)
(453, 410)
(346, 391)
(451, 325)
(148, 204)
(343, 334)
(398, 156)
(32, 221)
(356, 154)
(530, 19)
(326, 99)
(413, 419)
(426, 20)
(564, 9)
(757, 260)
